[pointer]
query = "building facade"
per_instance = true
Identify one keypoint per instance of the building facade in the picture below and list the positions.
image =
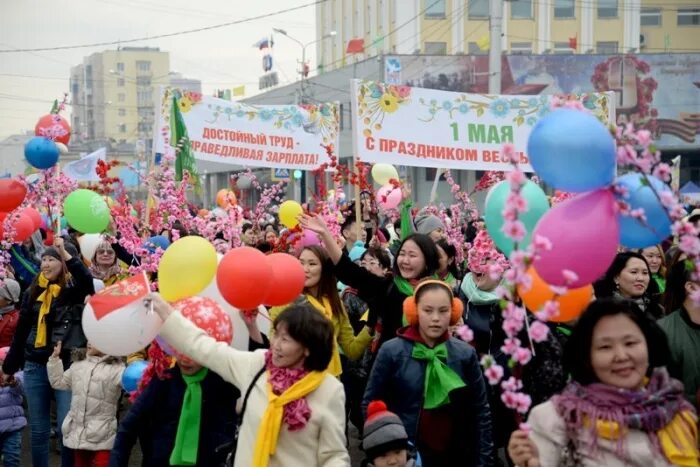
(444, 27)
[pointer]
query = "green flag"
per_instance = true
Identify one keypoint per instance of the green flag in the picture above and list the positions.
(184, 160)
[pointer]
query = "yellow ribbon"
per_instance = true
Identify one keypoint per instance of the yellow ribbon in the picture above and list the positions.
(271, 422)
(50, 292)
(335, 367)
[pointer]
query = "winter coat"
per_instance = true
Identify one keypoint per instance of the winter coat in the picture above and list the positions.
(321, 443)
(11, 410)
(22, 348)
(154, 417)
(398, 379)
(684, 339)
(8, 326)
(548, 431)
(95, 383)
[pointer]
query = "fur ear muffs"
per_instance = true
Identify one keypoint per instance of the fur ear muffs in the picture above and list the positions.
(457, 311)
(410, 311)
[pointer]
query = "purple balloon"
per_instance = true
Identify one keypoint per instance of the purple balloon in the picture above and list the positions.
(584, 232)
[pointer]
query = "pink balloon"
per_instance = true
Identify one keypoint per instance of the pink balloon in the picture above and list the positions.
(310, 238)
(584, 233)
(388, 196)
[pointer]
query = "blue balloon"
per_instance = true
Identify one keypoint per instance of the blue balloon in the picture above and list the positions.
(633, 232)
(41, 152)
(157, 241)
(132, 375)
(572, 151)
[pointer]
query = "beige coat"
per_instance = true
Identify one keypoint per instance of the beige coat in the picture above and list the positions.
(549, 434)
(321, 443)
(91, 422)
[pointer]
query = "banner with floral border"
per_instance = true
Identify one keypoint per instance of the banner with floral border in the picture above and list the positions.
(277, 136)
(405, 125)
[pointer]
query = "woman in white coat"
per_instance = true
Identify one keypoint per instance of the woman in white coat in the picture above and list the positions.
(295, 413)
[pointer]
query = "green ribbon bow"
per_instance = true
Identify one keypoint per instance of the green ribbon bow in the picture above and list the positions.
(439, 378)
(187, 437)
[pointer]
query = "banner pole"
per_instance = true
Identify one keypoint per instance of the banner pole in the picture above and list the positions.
(353, 109)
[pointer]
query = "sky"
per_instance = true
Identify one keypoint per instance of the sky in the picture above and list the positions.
(220, 58)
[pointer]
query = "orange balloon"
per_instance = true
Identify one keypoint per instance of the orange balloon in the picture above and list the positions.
(203, 213)
(571, 304)
(225, 198)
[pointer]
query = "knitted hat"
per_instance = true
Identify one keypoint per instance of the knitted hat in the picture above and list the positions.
(53, 252)
(383, 431)
(426, 223)
(357, 251)
(10, 290)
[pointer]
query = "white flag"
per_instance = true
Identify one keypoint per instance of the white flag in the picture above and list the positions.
(84, 169)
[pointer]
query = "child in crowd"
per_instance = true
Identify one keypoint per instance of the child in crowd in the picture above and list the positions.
(385, 440)
(91, 424)
(10, 293)
(12, 420)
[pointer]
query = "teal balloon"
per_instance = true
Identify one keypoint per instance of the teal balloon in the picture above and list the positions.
(537, 205)
(86, 211)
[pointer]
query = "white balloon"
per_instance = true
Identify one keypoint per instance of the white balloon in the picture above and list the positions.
(244, 182)
(89, 244)
(62, 148)
(123, 331)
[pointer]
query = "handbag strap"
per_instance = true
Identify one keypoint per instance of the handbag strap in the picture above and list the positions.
(247, 393)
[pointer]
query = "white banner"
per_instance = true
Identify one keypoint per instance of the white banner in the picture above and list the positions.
(83, 170)
(405, 125)
(278, 136)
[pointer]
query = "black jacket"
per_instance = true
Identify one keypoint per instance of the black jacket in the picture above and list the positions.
(154, 417)
(73, 294)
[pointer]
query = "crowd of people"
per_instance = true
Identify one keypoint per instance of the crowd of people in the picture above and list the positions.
(376, 341)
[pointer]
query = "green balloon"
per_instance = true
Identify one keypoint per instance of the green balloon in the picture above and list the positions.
(537, 205)
(86, 211)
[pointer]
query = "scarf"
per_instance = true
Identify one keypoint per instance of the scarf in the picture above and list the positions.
(50, 292)
(103, 274)
(286, 392)
(187, 437)
(405, 286)
(659, 409)
(440, 379)
(335, 367)
(475, 295)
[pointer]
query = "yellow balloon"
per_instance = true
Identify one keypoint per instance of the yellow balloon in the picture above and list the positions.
(289, 211)
(382, 173)
(186, 268)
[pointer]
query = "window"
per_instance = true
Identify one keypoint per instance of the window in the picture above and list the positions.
(521, 9)
(143, 80)
(478, 9)
(475, 50)
(651, 17)
(688, 16)
(434, 9)
(435, 48)
(606, 47)
(142, 65)
(122, 128)
(120, 82)
(144, 98)
(122, 112)
(521, 48)
(120, 66)
(121, 97)
(564, 9)
(607, 9)
(145, 112)
(562, 48)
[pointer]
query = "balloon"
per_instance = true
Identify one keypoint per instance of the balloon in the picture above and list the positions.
(34, 216)
(156, 241)
(123, 331)
(382, 173)
(244, 182)
(225, 198)
(389, 196)
(571, 304)
(244, 277)
(12, 193)
(186, 268)
(62, 148)
(584, 233)
(165, 347)
(203, 213)
(207, 315)
(88, 244)
(572, 151)
(22, 224)
(310, 238)
(287, 277)
(132, 375)
(633, 232)
(537, 205)
(289, 211)
(41, 153)
(86, 211)
(53, 127)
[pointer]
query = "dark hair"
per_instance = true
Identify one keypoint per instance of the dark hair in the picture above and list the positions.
(577, 353)
(312, 330)
(328, 284)
(451, 253)
(379, 254)
(606, 287)
(427, 246)
(246, 227)
(432, 286)
(347, 223)
(675, 294)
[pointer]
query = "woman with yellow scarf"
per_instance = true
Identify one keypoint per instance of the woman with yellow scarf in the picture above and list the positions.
(621, 407)
(295, 413)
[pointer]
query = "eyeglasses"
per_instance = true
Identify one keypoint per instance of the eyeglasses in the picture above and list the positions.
(369, 263)
(105, 252)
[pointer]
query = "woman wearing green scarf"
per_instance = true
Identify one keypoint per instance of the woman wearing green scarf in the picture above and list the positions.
(433, 382)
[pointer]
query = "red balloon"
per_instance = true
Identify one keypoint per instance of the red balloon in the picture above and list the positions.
(12, 193)
(287, 277)
(53, 127)
(207, 315)
(23, 225)
(244, 277)
(34, 216)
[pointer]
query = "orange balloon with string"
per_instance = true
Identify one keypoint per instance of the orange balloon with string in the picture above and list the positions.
(571, 304)
(225, 198)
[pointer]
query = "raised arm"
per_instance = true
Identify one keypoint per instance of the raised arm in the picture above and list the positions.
(316, 224)
(58, 378)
